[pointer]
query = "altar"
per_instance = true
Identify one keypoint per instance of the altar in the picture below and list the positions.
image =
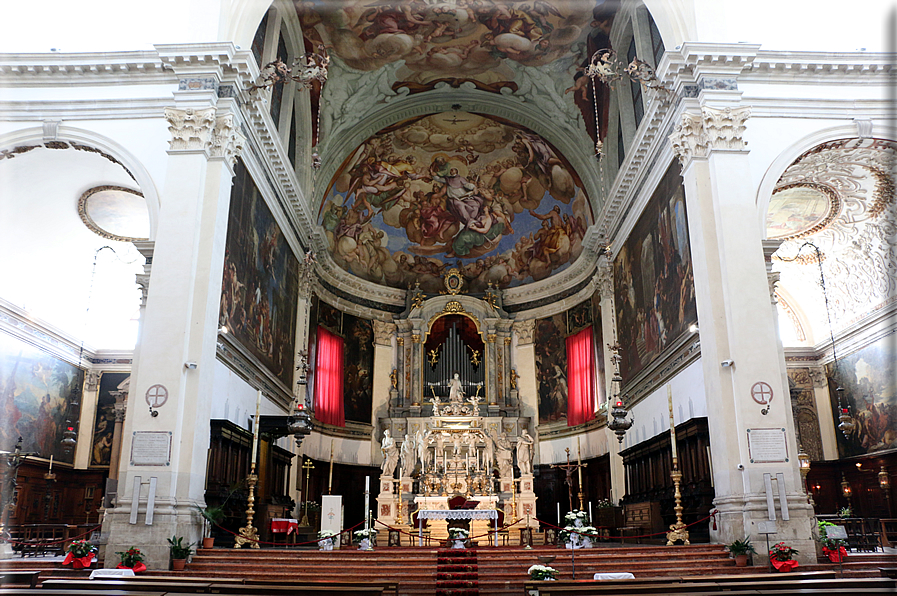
(482, 522)
(454, 423)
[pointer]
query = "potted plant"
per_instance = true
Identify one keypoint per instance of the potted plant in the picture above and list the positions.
(131, 559)
(211, 516)
(780, 555)
(325, 539)
(845, 512)
(543, 573)
(366, 538)
(833, 548)
(458, 536)
(180, 552)
(740, 549)
(80, 554)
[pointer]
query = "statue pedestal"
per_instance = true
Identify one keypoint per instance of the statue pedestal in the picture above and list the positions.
(513, 396)
(526, 500)
(407, 484)
(387, 501)
(414, 410)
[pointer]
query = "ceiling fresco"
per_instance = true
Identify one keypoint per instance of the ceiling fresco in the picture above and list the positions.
(455, 189)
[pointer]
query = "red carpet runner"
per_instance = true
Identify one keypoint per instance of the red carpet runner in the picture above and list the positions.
(457, 572)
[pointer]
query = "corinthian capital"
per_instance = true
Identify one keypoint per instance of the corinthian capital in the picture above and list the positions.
(724, 127)
(226, 141)
(688, 138)
(383, 332)
(191, 130)
(525, 331)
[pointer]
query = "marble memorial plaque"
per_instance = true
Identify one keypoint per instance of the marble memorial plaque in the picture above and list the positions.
(767, 445)
(151, 448)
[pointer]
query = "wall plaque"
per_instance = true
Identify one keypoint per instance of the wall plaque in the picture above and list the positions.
(767, 445)
(151, 448)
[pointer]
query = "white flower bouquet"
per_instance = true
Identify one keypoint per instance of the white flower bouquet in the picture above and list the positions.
(541, 573)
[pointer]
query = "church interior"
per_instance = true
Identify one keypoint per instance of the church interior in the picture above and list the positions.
(427, 266)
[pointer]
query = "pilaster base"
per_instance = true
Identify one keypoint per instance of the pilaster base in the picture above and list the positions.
(168, 520)
(738, 516)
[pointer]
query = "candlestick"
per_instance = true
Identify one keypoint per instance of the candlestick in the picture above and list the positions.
(579, 461)
(590, 514)
(559, 514)
(51, 464)
(672, 424)
(255, 428)
(330, 477)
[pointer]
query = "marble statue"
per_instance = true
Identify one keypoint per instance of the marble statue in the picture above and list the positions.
(409, 456)
(525, 453)
(456, 392)
(390, 454)
(488, 454)
(423, 452)
(503, 455)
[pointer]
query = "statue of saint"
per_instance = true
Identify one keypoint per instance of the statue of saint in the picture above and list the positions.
(525, 453)
(488, 454)
(390, 454)
(503, 455)
(409, 456)
(456, 392)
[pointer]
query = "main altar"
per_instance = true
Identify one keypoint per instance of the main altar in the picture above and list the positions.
(454, 425)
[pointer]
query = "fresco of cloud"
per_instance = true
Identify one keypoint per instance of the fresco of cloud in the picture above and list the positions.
(455, 189)
(467, 39)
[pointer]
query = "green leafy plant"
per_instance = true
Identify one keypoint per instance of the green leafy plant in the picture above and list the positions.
(211, 516)
(830, 543)
(81, 548)
(741, 547)
(845, 512)
(130, 557)
(178, 549)
(782, 552)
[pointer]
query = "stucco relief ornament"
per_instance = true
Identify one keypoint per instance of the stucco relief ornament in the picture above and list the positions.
(383, 332)
(688, 138)
(724, 128)
(525, 331)
(190, 129)
(307, 272)
(226, 141)
(305, 70)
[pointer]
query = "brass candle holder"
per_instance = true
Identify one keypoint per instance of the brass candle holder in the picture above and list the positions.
(249, 533)
(677, 530)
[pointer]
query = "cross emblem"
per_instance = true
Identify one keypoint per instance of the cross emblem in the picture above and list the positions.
(761, 392)
(156, 396)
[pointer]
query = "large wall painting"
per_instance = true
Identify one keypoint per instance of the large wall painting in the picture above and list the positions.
(101, 449)
(869, 380)
(38, 394)
(653, 279)
(455, 189)
(358, 379)
(261, 282)
(551, 367)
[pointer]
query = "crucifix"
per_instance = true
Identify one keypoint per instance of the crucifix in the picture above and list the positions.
(569, 469)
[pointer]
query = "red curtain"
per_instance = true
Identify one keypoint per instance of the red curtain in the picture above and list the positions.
(329, 379)
(580, 378)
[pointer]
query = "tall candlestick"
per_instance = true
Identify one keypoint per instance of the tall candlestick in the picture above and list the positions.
(51, 464)
(330, 477)
(255, 428)
(672, 424)
(559, 514)
(579, 461)
(590, 514)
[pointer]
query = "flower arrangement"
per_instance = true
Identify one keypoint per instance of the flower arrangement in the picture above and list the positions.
(845, 512)
(606, 504)
(131, 559)
(542, 573)
(325, 539)
(325, 534)
(81, 548)
(576, 514)
(458, 533)
(368, 534)
(80, 554)
(780, 557)
(310, 505)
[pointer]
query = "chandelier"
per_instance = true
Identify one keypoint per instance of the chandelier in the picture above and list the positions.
(305, 70)
(619, 424)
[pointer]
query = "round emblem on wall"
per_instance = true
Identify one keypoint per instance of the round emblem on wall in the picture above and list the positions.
(761, 392)
(453, 281)
(156, 396)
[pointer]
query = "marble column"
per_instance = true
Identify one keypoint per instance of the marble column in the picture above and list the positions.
(86, 420)
(740, 351)
(179, 331)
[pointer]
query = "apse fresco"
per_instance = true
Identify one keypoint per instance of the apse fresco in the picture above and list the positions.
(261, 280)
(653, 279)
(869, 380)
(38, 394)
(101, 450)
(551, 367)
(455, 190)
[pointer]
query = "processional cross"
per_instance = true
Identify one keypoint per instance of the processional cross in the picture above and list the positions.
(569, 469)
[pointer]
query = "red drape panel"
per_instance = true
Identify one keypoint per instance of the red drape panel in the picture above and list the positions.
(580, 378)
(329, 379)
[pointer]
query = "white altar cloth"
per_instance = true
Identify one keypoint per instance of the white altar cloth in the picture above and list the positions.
(622, 575)
(454, 514)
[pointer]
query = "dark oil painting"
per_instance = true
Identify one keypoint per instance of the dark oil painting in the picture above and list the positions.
(101, 448)
(39, 393)
(260, 288)
(358, 379)
(653, 279)
(551, 367)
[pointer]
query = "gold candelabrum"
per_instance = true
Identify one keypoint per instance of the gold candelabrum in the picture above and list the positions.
(677, 530)
(514, 518)
(248, 533)
(400, 513)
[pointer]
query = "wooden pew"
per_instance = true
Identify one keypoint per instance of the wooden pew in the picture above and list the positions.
(388, 587)
(306, 589)
(58, 592)
(131, 585)
(27, 578)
